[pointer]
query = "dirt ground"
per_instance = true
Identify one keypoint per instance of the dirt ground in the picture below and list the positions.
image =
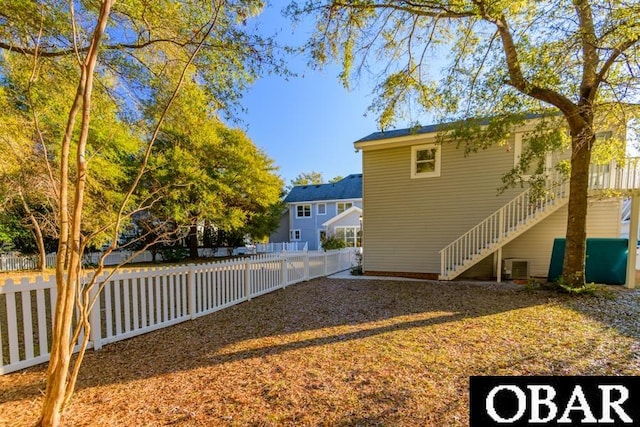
(342, 352)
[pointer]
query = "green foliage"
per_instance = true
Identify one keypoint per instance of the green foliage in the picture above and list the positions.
(136, 77)
(333, 242)
(496, 62)
(308, 178)
(13, 234)
(174, 253)
(567, 287)
(357, 269)
(450, 58)
(204, 170)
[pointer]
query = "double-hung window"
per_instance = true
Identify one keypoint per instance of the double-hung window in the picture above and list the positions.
(343, 206)
(425, 161)
(303, 211)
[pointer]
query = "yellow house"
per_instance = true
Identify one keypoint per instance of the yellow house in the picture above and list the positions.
(431, 211)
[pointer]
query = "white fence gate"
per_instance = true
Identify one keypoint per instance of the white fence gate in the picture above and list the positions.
(137, 301)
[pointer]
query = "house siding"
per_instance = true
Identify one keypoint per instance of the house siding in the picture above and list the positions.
(282, 233)
(310, 227)
(408, 221)
(536, 245)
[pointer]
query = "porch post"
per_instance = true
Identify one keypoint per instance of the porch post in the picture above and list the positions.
(633, 242)
(498, 264)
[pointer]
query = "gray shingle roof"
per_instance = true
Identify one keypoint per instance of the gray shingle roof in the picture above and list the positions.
(417, 130)
(400, 132)
(349, 187)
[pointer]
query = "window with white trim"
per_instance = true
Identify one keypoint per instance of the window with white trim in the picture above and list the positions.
(322, 208)
(425, 161)
(343, 206)
(303, 211)
(294, 235)
(351, 235)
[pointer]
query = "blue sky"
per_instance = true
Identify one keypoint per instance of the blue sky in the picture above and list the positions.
(308, 123)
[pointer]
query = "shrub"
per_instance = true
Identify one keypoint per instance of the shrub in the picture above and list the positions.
(174, 253)
(333, 242)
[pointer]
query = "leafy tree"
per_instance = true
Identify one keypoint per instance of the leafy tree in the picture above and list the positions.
(212, 173)
(309, 178)
(33, 155)
(576, 60)
(265, 221)
(336, 179)
(129, 50)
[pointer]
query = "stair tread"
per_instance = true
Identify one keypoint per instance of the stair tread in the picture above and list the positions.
(487, 247)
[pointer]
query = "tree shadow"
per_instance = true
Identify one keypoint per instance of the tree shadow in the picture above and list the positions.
(307, 315)
(614, 306)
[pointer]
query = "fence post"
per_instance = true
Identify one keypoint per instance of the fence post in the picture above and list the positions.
(326, 265)
(283, 267)
(94, 317)
(306, 266)
(191, 291)
(247, 280)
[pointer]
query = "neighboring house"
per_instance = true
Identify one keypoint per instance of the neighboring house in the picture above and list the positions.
(320, 210)
(432, 211)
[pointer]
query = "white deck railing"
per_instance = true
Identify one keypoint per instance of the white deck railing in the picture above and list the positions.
(616, 177)
(137, 301)
(522, 212)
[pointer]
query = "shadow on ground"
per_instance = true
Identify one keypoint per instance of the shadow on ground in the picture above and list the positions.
(354, 305)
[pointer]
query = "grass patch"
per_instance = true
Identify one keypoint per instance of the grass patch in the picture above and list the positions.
(343, 352)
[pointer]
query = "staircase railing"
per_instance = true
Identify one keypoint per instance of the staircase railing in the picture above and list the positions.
(524, 211)
(498, 227)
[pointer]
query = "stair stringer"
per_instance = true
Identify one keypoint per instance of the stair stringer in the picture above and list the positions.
(521, 211)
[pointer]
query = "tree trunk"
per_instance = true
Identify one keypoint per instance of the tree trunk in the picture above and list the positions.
(193, 239)
(60, 381)
(37, 235)
(42, 252)
(574, 256)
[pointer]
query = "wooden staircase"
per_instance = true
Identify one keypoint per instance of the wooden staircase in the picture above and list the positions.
(514, 218)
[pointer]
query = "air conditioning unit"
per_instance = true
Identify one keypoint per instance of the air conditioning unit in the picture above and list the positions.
(515, 268)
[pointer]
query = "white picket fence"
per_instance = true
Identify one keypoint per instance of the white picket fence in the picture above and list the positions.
(137, 301)
(10, 262)
(281, 247)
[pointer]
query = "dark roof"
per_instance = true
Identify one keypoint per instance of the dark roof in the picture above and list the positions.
(349, 187)
(417, 130)
(396, 133)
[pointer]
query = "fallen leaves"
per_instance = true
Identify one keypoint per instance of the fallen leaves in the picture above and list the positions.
(342, 352)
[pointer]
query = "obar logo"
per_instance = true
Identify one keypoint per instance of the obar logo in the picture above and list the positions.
(570, 401)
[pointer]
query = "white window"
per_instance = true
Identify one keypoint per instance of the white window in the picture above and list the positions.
(351, 235)
(303, 211)
(322, 208)
(343, 206)
(294, 235)
(425, 161)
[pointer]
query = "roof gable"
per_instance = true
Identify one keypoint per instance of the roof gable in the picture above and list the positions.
(349, 187)
(350, 211)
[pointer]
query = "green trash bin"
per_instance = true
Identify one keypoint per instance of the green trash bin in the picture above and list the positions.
(606, 260)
